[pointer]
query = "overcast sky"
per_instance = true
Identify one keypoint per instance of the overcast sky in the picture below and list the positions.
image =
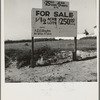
(17, 16)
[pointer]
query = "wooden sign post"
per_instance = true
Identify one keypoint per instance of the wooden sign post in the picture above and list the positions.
(32, 61)
(75, 50)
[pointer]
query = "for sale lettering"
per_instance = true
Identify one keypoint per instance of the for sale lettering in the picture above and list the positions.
(43, 13)
(60, 14)
(55, 14)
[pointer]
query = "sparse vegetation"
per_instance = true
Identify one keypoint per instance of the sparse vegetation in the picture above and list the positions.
(19, 54)
(53, 79)
(89, 37)
(7, 61)
(36, 40)
(22, 51)
(12, 53)
(23, 59)
(45, 51)
(26, 44)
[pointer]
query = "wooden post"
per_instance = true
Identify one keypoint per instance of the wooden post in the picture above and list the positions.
(32, 62)
(75, 50)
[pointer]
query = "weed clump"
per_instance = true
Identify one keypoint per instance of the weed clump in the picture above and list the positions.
(7, 61)
(44, 51)
(12, 53)
(24, 57)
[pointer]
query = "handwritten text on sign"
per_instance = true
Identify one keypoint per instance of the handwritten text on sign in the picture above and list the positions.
(61, 5)
(53, 23)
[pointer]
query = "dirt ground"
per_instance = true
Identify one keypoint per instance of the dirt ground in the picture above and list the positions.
(75, 71)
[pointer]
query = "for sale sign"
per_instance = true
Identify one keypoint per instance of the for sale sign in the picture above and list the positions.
(62, 5)
(54, 23)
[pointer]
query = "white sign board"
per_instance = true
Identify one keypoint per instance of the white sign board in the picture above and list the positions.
(62, 5)
(54, 23)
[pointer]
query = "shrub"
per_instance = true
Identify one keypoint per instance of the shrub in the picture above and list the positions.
(23, 59)
(12, 53)
(7, 61)
(45, 51)
(26, 44)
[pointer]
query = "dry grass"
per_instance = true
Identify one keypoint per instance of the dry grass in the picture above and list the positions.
(22, 51)
(87, 44)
